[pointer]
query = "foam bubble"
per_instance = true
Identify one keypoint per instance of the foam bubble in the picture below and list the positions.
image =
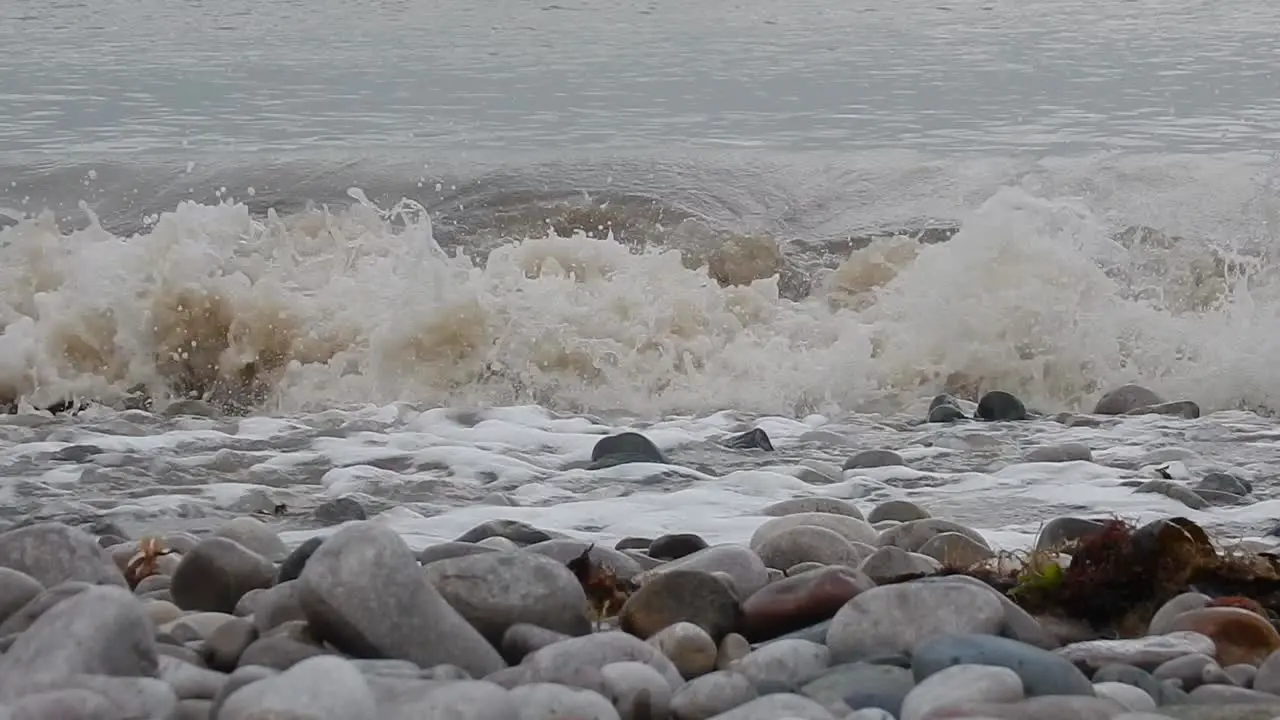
(326, 308)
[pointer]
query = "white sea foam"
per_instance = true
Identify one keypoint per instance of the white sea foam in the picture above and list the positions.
(326, 309)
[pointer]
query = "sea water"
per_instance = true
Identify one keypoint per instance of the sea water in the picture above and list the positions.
(426, 255)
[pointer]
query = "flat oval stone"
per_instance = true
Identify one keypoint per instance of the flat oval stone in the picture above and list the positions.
(800, 601)
(960, 684)
(897, 618)
(1146, 652)
(1239, 635)
(954, 550)
(850, 528)
(681, 596)
(1042, 672)
(897, 510)
(808, 543)
(912, 535)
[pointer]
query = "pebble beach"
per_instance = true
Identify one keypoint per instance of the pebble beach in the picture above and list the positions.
(834, 607)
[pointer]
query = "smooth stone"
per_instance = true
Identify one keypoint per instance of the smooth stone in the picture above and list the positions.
(279, 652)
(62, 705)
(27, 615)
(451, 549)
(1133, 699)
(546, 701)
(324, 688)
(961, 684)
(778, 706)
(520, 533)
(189, 681)
(800, 601)
(681, 596)
(744, 566)
(945, 414)
(1192, 671)
(1018, 624)
(785, 663)
(136, 697)
(194, 709)
(1042, 672)
(1162, 621)
(53, 553)
(1146, 652)
(913, 534)
(152, 583)
(242, 676)
(196, 626)
(522, 639)
(1186, 409)
(1045, 707)
(1229, 694)
(102, 630)
(798, 569)
(1164, 692)
(339, 510)
(562, 550)
(1171, 490)
(276, 606)
(712, 694)
(1239, 635)
(227, 643)
(732, 648)
(808, 543)
(217, 573)
(631, 543)
(873, 459)
(688, 647)
(753, 439)
(626, 447)
(1062, 531)
(494, 591)
(499, 543)
(1220, 499)
(795, 506)
(954, 550)
(1242, 674)
(637, 691)
(254, 534)
(862, 686)
(1125, 398)
(999, 405)
(1065, 452)
(292, 566)
(162, 612)
(676, 546)
(459, 700)
(850, 528)
(1224, 482)
(16, 589)
(1268, 675)
(1235, 711)
(890, 562)
(600, 649)
(897, 618)
(898, 511)
(364, 592)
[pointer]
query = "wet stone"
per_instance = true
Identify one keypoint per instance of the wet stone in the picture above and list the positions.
(897, 618)
(339, 510)
(712, 694)
(748, 572)
(754, 439)
(1042, 672)
(254, 535)
(518, 532)
(897, 510)
(1185, 409)
(954, 550)
(1239, 636)
(798, 602)
(1146, 652)
(795, 506)
(522, 639)
(961, 684)
(873, 459)
(807, 543)
(850, 528)
(16, 589)
(998, 405)
(627, 447)
(675, 546)
(785, 664)
(862, 686)
(1224, 482)
(1066, 452)
(1172, 490)
(292, 566)
(1192, 671)
(1125, 398)
(217, 573)
(892, 562)
(52, 553)
(1063, 530)
(912, 535)
(689, 648)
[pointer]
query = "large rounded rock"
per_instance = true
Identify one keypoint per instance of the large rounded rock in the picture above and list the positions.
(255, 535)
(743, 566)
(98, 631)
(682, 596)
(808, 543)
(800, 601)
(850, 528)
(598, 650)
(711, 695)
(494, 591)
(1042, 672)
(897, 511)
(1240, 636)
(676, 546)
(364, 592)
(1125, 398)
(688, 646)
(999, 405)
(897, 618)
(954, 550)
(16, 589)
(217, 573)
(324, 688)
(292, 566)
(961, 684)
(53, 553)
(891, 562)
(627, 447)
(912, 535)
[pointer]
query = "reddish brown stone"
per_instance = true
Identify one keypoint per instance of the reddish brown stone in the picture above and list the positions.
(800, 601)
(1241, 636)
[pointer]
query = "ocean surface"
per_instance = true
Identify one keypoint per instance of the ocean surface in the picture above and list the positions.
(426, 254)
